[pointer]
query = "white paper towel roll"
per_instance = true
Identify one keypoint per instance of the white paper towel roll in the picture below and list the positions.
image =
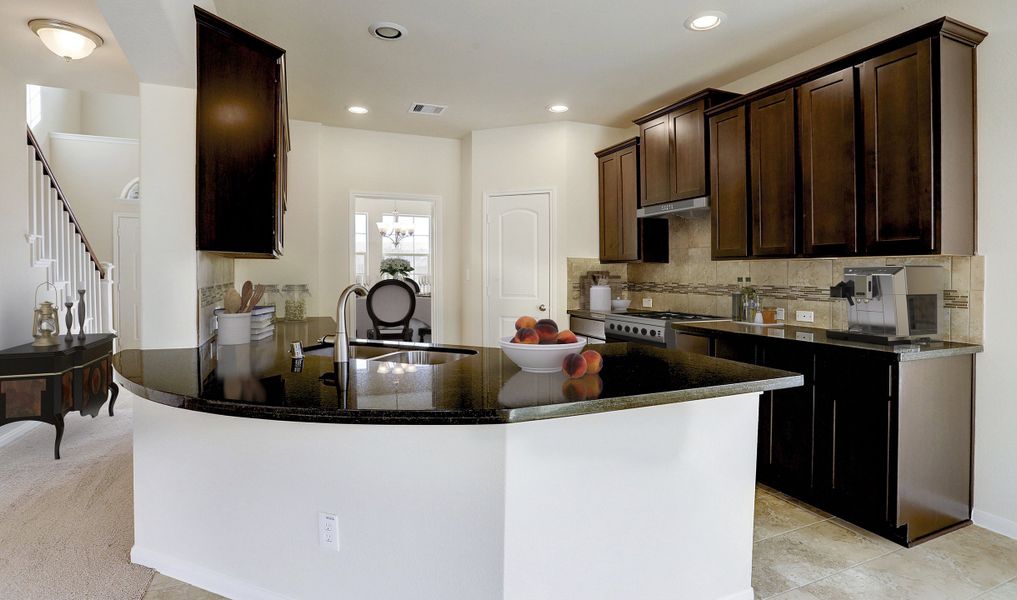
(600, 298)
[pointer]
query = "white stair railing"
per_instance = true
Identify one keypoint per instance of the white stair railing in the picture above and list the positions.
(56, 243)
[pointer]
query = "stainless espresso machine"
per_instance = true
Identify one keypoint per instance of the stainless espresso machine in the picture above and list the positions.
(892, 305)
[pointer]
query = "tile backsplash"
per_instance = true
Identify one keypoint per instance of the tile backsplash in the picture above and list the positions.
(215, 276)
(692, 282)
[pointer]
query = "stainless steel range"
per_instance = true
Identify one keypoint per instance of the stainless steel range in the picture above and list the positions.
(650, 327)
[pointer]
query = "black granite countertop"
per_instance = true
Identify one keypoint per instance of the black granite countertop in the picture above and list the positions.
(259, 380)
(813, 335)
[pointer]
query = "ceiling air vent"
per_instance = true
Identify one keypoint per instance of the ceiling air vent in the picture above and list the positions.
(427, 109)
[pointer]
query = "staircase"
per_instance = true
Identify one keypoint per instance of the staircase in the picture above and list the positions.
(59, 245)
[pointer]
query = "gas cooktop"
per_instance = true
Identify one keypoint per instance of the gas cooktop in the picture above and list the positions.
(653, 327)
(663, 316)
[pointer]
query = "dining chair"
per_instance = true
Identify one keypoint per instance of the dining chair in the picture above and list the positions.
(390, 305)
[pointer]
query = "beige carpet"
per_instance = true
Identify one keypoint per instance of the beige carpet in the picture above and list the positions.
(67, 526)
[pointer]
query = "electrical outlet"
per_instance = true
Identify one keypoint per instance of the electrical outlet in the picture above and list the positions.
(780, 314)
(805, 316)
(647, 302)
(328, 531)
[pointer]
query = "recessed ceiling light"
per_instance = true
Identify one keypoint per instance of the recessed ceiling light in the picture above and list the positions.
(557, 108)
(64, 39)
(705, 21)
(385, 30)
(357, 110)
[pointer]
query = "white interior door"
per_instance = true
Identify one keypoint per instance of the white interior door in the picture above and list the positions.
(518, 261)
(127, 262)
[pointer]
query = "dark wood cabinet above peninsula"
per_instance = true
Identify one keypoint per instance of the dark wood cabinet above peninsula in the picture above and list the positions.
(242, 141)
(675, 146)
(623, 237)
(870, 154)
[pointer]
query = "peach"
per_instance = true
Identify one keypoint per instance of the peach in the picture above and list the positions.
(574, 366)
(594, 361)
(547, 333)
(526, 335)
(548, 322)
(525, 323)
(567, 337)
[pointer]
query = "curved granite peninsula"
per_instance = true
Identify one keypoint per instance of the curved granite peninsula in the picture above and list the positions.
(468, 479)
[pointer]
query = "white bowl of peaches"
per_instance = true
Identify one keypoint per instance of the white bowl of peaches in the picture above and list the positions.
(539, 347)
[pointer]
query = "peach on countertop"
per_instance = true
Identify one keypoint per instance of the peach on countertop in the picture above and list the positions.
(567, 337)
(525, 322)
(594, 361)
(526, 335)
(574, 366)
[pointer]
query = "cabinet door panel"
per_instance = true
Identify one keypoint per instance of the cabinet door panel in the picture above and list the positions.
(791, 412)
(896, 93)
(728, 193)
(628, 202)
(656, 161)
(826, 137)
(689, 160)
(774, 212)
(610, 227)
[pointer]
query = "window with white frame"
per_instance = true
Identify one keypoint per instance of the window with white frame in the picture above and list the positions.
(33, 104)
(360, 247)
(415, 249)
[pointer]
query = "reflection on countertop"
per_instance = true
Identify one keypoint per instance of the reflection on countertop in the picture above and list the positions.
(260, 380)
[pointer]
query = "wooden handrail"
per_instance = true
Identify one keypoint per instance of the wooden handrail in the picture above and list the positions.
(63, 200)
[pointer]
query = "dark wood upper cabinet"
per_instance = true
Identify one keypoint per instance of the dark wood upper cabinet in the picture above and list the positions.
(826, 147)
(729, 188)
(623, 237)
(772, 175)
(896, 93)
(242, 140)
(675, 147)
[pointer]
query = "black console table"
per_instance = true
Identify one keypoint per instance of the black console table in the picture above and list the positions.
(44, 384)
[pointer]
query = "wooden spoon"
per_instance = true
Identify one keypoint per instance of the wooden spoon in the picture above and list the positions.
(259, 291)
(245, 295)
(232, 301)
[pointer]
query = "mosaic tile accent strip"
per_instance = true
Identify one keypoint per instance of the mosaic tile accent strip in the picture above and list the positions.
(212, 295)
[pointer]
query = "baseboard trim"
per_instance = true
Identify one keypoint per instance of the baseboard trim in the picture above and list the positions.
(198, 576)
(995, 523)
(17, 431)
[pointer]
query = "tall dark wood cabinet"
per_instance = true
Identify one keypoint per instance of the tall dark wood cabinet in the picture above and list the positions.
(826, 147)
(242, 141)
(729, 184)
(675, 147)
(623, 237)
(772, 175)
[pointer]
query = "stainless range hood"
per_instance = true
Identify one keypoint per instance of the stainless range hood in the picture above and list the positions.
(693, 208)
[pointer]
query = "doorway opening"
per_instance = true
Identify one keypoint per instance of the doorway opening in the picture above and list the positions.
(387, 229)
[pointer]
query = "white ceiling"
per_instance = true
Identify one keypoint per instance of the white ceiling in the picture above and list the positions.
(499, 63)
(106, 70)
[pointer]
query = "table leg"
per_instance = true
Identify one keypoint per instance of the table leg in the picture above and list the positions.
(59, 423)
(114, 390)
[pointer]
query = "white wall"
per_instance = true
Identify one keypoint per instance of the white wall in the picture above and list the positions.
(995, 492)
(61, 111)
(112, 115)
(169, 296)
(299, 263)
(556, 156)
(354, 160)
(92, 172)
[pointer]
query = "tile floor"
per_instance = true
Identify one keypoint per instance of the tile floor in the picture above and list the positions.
(802, 553)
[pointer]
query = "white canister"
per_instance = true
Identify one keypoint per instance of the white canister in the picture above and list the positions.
(234, 329)
(600, 298)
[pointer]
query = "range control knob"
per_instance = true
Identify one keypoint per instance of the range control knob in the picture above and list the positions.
(653, 333)
(643, 331)
(626, 328)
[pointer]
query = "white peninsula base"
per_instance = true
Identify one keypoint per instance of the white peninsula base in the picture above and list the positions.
(642, 504)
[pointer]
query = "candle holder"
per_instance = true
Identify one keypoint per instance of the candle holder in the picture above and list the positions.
(81, 314)
(69, 319)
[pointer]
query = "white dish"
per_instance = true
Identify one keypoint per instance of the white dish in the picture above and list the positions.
(540, 358)
(620, 305)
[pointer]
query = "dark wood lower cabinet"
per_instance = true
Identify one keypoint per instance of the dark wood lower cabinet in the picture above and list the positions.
(882, 443)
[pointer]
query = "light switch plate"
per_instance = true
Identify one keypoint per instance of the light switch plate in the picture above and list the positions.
(805, 316)
(328, 531)
(647, 302)
(780, 314)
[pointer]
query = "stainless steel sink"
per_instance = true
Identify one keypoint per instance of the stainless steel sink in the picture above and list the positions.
(423, 357)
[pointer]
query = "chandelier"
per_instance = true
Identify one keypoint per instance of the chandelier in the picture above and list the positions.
(394, 230)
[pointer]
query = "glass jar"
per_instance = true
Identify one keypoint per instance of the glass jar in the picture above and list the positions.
(296, 301)
(274, 298)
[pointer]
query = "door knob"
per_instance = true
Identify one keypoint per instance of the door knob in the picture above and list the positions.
(542, 308)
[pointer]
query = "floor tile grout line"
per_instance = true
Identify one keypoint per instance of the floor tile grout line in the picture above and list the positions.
(799, 528)
(992, 589)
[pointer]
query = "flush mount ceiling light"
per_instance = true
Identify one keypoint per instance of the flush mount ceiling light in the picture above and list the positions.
(557, 108)
(66, 40)
(357, 110)
(385, 30)
(705, 21)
